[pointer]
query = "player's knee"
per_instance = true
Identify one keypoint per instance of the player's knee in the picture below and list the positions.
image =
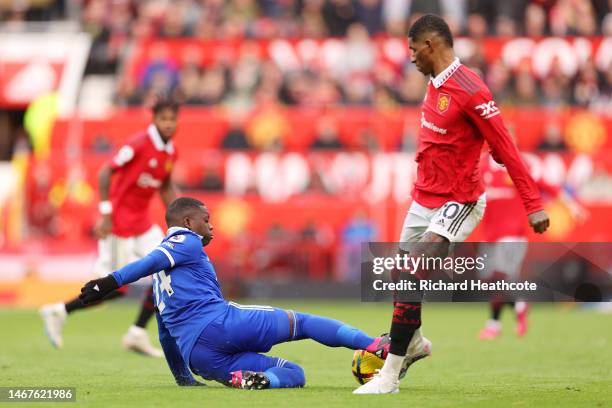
(301, 319)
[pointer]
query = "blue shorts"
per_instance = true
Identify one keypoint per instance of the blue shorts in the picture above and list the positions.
(233, 340)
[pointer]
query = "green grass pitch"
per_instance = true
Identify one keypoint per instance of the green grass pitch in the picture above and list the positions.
(565, 360)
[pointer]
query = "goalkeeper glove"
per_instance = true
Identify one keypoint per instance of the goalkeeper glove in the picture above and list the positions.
(95, 290)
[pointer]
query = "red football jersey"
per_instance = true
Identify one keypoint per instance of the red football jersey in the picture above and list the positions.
(140, 167)
(457, 116)
(505, 216)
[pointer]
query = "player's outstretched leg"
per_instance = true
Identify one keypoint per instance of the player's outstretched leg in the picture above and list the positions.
(54, 315)
(334, 333)
(137, 339)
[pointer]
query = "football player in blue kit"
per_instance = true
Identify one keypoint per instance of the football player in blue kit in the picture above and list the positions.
(203, 333)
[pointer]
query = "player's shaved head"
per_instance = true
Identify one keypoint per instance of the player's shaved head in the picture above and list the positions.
(431, 24)
(180, 208)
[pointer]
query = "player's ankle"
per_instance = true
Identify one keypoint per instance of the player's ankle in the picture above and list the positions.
(493, 324)
(392, 367)
(136, 329)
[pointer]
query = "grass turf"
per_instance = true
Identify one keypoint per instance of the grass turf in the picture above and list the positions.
(565, 360)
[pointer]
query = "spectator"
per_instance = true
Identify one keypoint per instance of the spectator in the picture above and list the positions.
(498, 78)
(526, 88)
(101, 144)
(553, 139)
(212, 87)
(535, 21)
(412, 87)
(212, 179)
(327, 135)
(359, 229)
(586, 87)
(187, 92)
(369, 13)
(338, 16)
(235, 138)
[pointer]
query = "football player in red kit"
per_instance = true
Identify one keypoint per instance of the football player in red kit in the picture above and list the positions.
(458, 115)
(506, 235)
(126, 232)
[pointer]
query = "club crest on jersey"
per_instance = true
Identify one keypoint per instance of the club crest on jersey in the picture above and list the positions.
(153, 163)
(443, 102)
(177, 238)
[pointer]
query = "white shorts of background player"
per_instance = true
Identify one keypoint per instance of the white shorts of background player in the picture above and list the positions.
(506, 256)
(115, 252)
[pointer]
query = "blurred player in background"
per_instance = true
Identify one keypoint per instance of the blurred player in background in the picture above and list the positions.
(126, 232)
(458, 114)
(201, 331)
(506, 234)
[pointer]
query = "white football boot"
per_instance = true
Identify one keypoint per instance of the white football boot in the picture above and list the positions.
(380, 384)
(387, 380)
(419, 348)
(137, 339)
(54, 317)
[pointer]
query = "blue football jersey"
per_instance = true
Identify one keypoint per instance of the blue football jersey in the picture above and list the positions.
(187, 294)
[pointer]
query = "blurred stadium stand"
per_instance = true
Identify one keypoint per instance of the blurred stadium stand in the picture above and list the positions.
(307, 106)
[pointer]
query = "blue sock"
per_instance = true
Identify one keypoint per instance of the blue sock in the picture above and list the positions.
(288, 375)
(330, 332)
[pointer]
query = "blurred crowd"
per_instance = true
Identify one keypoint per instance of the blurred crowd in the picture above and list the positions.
(252, 81)
(320, 18)
(364, 80)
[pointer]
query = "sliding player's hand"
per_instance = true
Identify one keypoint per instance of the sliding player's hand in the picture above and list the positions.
(97, 289)
(190, 383)
(539, 221)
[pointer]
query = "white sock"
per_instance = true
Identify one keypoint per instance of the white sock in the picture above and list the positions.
(519, 307)
(392, 366)
(136, 330)
(61, 308)
(495, 324)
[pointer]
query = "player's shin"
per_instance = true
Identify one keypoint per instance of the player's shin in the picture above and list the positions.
(406, 321)
(329, 332)
(147, 309)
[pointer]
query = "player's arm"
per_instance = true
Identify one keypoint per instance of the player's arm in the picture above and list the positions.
(485, 115)
(105, 226)
(168, 191)
(175, 361)
(183, 249)
(97, 289)
(123, 156)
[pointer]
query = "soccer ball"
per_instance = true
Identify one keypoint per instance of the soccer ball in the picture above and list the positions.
(365, 365)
